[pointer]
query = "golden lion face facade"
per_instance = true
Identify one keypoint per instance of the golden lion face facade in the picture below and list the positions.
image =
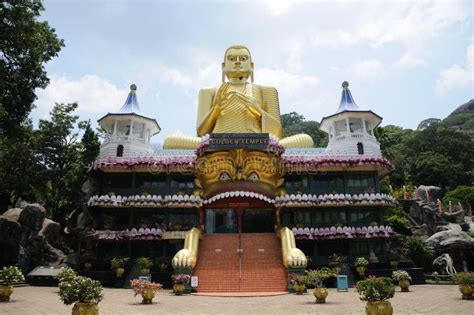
(239, 169)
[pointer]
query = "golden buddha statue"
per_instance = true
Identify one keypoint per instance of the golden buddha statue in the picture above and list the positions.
(237, 106)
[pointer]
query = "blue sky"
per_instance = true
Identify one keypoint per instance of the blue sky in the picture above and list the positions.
(406, 61)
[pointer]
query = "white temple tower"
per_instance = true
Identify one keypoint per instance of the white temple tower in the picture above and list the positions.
(350, 129)
(128, 132)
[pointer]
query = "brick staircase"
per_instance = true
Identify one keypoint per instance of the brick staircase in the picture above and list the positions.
(249, 263)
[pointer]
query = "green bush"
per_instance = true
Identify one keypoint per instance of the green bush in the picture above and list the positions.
(398, 221)
(462, 194)
(118, 262)
(144, 262)
(80, 290)
(376, 289)
(464, 278)
(11, 274)
(316, 277)
(399, 275)
(417, 250)
(66, 274)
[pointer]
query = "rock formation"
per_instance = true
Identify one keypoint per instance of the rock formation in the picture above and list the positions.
(29, 239)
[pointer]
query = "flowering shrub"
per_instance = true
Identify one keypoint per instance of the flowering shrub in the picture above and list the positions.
(336, 260)
(12, 274)
(316, 277)
(399, 275)
(138, 286)
(180, 279)
(80, 290)
(66, 274)
(361, 261)
(294, 278)
(375, 289)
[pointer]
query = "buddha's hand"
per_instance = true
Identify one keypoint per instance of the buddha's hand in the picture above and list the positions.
(296, 258)
(253, 106)
(183, 259)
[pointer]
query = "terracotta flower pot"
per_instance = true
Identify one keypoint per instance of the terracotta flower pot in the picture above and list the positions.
(404, 285)
(379, 308)
(119, 272)
(144, 271)
(320, 294)
(299, 288)
(466, 290)
(361, 270)
(178, 288)
(148, 294)
(85, 309)
(5, 292)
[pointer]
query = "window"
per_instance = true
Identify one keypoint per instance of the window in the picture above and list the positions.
(138, 129)
(340, 127)
(123, 128)
(120, 150)
(367, 127)
(360, 148)
(355, 125)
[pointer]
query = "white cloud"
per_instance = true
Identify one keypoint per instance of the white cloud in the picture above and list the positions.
(408, 61)
(95, 95)
(286, 82)
(367, 69)
(456, 76)
(378, 24)
(278, 7)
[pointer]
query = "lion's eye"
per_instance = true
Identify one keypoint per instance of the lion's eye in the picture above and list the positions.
(224, 176)
(253, 177)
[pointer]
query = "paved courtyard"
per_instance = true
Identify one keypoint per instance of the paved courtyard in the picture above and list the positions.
(424, 299)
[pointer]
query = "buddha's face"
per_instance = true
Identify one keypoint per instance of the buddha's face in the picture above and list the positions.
(237, 64)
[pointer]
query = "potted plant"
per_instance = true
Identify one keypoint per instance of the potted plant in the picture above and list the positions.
(118, 264)
(66, 274)
(466, 283)
(335, 261)
(403, 279)
(84, 292)
(8, 276)
(179, 282)
(163, 263)
(316, 278)
(297, 282)
(145, 264)
(376, 291)
(146, 289)
(361, 265)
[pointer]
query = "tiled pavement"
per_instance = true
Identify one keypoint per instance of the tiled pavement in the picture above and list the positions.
(424, 299)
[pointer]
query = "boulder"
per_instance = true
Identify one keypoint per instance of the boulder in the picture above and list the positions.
(32, 216)
(51, 231)
(454, 217)
(450, 239)
(434, 193)
(12, 214)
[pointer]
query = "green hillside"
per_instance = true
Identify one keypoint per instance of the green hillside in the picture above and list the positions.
(462, 119)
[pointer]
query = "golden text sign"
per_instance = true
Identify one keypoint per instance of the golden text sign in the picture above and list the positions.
(228, 141)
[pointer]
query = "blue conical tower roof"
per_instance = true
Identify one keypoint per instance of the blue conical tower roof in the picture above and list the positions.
(347, 102)
(131, 103)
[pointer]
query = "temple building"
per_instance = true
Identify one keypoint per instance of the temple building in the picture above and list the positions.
(241, 209)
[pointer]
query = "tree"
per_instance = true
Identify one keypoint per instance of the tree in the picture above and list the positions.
(64, 158)
(294, 123)
(25, 46)
(462, 194)
(430, 122)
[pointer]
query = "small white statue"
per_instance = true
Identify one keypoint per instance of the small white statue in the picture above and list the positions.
(445, 261)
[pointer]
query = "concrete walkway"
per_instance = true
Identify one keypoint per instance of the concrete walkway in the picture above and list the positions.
(424, 299)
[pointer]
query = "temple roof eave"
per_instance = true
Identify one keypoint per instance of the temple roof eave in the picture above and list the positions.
(113, 117)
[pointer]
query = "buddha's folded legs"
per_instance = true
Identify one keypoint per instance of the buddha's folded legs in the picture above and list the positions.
(297, 141)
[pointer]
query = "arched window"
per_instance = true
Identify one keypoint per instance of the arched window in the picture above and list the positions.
(120, 150)
(360, 148)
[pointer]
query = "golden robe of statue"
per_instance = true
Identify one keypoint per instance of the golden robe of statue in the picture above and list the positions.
(238, 106)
